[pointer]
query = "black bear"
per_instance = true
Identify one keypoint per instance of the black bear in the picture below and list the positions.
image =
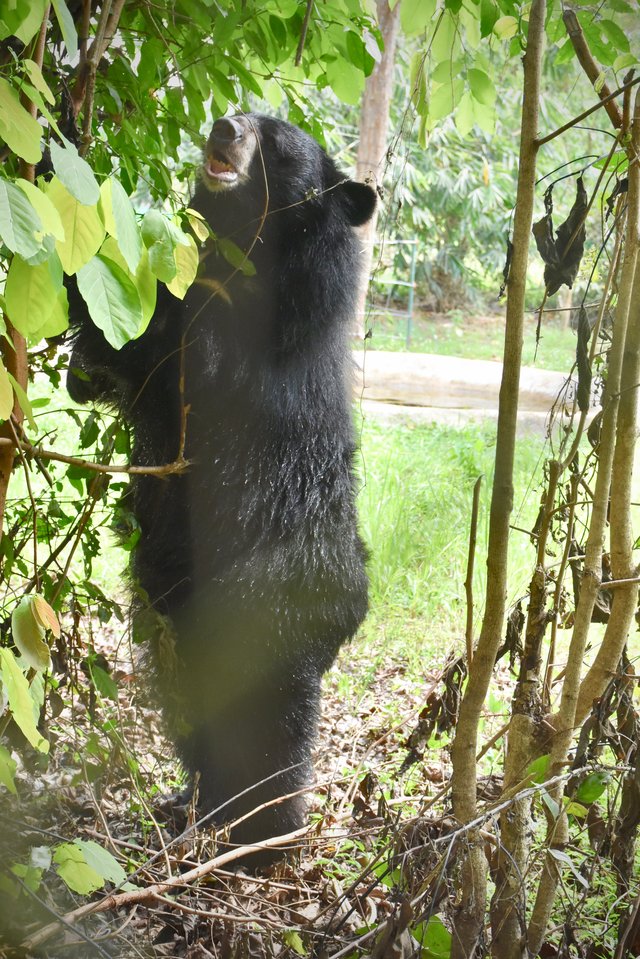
(253, 554)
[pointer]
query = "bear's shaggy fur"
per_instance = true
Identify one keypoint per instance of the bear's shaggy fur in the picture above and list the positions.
(253, 554)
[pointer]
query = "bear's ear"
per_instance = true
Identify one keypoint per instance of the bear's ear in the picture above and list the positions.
(360, 201)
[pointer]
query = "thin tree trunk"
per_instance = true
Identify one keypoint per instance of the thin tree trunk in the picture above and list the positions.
(469, 922)
(611, 442)
(374, 125)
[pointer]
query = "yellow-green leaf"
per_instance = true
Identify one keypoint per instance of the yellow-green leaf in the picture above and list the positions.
(28, 635)
(505, 27)
(49, 216)
(187, 260)
(45, 615)
(6, 394)
(73, 869)
(20, 701)
(35, 75)
(7, 770)
(31, 292)
(20, 131)
(83, 229)
(23, 401)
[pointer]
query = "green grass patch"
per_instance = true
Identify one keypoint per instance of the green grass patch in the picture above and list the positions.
(415, 509)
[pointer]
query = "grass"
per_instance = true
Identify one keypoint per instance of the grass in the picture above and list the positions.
(415, 508)
(477, 338)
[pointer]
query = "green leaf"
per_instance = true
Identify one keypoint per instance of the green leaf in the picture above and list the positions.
(75, 173)
(20, 131)
(23, 401)
(35, 75)
(20, 701)
(57, 321)
(161, 237)
(538, 770)
(112, 300)
(31, 293)
(592, 787)
(67, 27)
(616, 35)
(101, 861)
(8, 768)
(416, 15)
(143, 279)
(22, 19)
(464, 118)
(293, 940)
(83, 228)
(6, 394)
(187, 260)
(505, 27)
(444, 99)
(482, 87)
(346, 81)
(104, 683)
(624, 60)
(235, 256)
(127, 231)
(20, 225)
(74, 870)
(488, 17)
(434, 939)
(28, 635)
(49, 216)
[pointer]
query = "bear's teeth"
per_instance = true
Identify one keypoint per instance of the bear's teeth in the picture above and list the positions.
(219, 170)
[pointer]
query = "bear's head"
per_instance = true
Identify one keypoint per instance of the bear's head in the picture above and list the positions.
(270, 166)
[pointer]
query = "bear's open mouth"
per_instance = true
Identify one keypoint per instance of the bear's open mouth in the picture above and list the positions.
(219, 170)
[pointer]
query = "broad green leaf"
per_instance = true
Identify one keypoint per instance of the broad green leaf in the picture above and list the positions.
(57, 321)
(446, 40)
(446, 71)
(127, 230)
(624, 60)
(160, 243)
(83, 228)
(112, 300)
(28, 635)
(8, 768)
(505, 27)
(484, 116)
(592, 787)
(101, 861)
(104, 683)
(23, 401)
(346, 81)
(20, 701)
(488, 15)
(49, 216)
(187, 260)
(35, 75)
(20, 131)
(73, 869)
(106, 208)
(67, 27)
(565, 53)
(20, 225)
(464, 117)
(434, 939)
(235, 256)
(198, 224)
(538, 770)
(143, 279)
(75, 173)
(6, 394)
(293, 939)
(444, 99)
(22, 19)
(616, 35)
(482, 87)
(31, 293)
(416, 15)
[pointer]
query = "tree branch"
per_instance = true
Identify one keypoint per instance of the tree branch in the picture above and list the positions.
(589, 65)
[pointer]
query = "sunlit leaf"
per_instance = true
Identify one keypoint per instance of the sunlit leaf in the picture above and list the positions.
(187, 260)
(22, 19)
(75, 173)
(45, 615)
(28, 635)
(112, 300)
(8, 768)
(49, 216)
(6, 394)
(20, 701)
(20, 225)
(20, 131)
(31, 293)
(73, 869)
(83, 228)
(67, 26)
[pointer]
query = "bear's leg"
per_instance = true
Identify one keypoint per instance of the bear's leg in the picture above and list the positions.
(254, 749)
